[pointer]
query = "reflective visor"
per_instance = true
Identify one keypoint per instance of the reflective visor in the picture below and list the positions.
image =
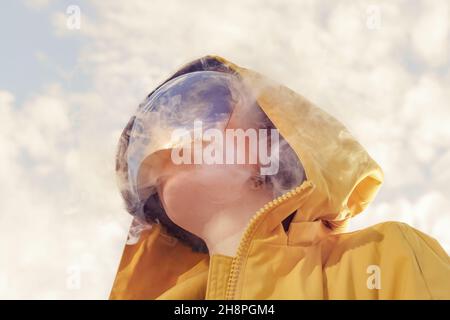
(206, 96)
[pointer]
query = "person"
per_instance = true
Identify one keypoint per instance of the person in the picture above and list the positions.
(242, 189)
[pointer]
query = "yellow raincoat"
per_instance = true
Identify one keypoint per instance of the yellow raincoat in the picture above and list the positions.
(314, 259)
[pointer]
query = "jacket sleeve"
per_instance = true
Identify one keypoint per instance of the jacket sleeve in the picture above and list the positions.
(432, 260)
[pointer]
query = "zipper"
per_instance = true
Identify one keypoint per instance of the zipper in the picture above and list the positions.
(236, 263)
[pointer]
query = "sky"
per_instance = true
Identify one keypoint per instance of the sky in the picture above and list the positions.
(73, 72)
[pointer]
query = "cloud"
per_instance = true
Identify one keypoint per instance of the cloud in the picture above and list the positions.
(59, 194)
(430, 33)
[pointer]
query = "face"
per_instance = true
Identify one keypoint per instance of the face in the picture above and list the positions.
(195, 195)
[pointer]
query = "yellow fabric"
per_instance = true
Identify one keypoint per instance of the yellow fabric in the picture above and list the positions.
(315, 259)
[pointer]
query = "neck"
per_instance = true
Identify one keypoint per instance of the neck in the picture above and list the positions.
(222, 233)
(227, 246)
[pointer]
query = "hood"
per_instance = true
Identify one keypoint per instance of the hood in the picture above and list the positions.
(341, 177)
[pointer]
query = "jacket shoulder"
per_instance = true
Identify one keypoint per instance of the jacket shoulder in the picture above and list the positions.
(404, 254)
(415, 239)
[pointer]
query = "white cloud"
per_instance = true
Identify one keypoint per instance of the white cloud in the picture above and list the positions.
(430, 33)
(59, 194)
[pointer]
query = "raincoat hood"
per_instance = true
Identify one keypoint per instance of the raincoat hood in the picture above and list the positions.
(341, 180)
(342, 176)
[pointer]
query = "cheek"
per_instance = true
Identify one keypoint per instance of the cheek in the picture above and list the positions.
(176, 198)
(191, 197)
